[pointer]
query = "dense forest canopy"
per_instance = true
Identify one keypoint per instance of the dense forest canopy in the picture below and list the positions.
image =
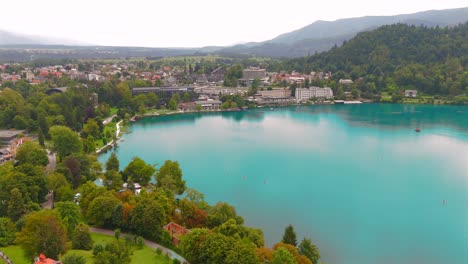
(431, 60)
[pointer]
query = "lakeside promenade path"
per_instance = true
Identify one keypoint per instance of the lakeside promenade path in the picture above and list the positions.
(117, 136)
(148, 243)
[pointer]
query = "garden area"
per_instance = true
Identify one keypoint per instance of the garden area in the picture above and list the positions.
(143, 255)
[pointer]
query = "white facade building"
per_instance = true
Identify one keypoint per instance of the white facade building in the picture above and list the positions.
(304, 94)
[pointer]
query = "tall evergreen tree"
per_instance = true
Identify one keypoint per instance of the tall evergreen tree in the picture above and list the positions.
(40, 136)
(15, 205)
(289, 236)
(309, 250)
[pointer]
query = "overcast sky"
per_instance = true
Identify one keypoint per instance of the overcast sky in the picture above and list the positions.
(188, 23)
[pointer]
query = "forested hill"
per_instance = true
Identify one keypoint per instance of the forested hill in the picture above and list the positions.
(432, 60)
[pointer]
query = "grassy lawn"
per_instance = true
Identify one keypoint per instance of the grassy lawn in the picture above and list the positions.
(145, 255)
(101, 239)
(113, 110)
(15, 253)
(88, 255)
(148, 255)
(160, 111)
(109, 127)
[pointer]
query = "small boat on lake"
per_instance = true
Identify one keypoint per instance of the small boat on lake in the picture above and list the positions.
(417, 130)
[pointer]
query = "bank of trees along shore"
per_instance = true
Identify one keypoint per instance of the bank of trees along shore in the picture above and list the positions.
(393, 58)
(218, 233)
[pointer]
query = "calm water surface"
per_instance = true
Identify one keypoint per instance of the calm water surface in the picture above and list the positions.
(356, 179)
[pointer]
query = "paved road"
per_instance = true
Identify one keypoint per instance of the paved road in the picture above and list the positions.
(49, 203)
(52, 162)
(150, 244)
(108, 120)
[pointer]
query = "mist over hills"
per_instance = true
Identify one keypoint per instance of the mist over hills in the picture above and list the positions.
(12, 38)
(316, 37)
(323, 35)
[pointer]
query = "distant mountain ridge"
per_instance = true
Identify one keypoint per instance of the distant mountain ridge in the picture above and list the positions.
(323, 35)
(11, 38)
(316, 37)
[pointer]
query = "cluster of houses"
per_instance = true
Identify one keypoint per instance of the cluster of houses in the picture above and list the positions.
(10, 141)
(164, 76)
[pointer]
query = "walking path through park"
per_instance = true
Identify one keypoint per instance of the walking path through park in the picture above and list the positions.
(49, 203)
(117, 136)
(5, 258)
(108, 120)
(148, 243)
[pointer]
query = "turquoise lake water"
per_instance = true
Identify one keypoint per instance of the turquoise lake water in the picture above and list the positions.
(357, 179)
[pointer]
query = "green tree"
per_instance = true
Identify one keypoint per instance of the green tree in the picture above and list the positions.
(40, 137)
(169, 176)
(91, 128)
(16, 206)
(55, 181)
(356, 93)
(70, 214)
(7, 232)
(43, 126)
(195, 196)
(64, 193)
(172, 104)
(112, 163)
(232, 229)
(139, 171)
(282, 256)
(176, 98)
(186, 97)
(309, 250)
(190, 244)
(242, 252)
(255, 85)
(65, 141)
(73, 259)
(221, 213)
(101, 209)
(215, 247)
(147, 219)
(82, 238)
(113, 180)
(232, 75)
(90, 144)
(32, 153)
(47, 226)
(115, 252)
(198, 107)
(289, 236)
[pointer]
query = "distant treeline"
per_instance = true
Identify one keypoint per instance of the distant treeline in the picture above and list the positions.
(395, 57)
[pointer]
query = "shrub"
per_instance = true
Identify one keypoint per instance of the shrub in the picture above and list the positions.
(97, 249)
(74, 259)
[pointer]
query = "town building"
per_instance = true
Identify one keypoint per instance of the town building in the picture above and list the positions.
(163, 90)
(276, 93)
(29, 76)
(175, 231)
(209, 104)
(304, 94)
(5, 155)
(253, 73)
(7, 137)
(217, 75)
(411, 93)
(42, 259)
(345, 81)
